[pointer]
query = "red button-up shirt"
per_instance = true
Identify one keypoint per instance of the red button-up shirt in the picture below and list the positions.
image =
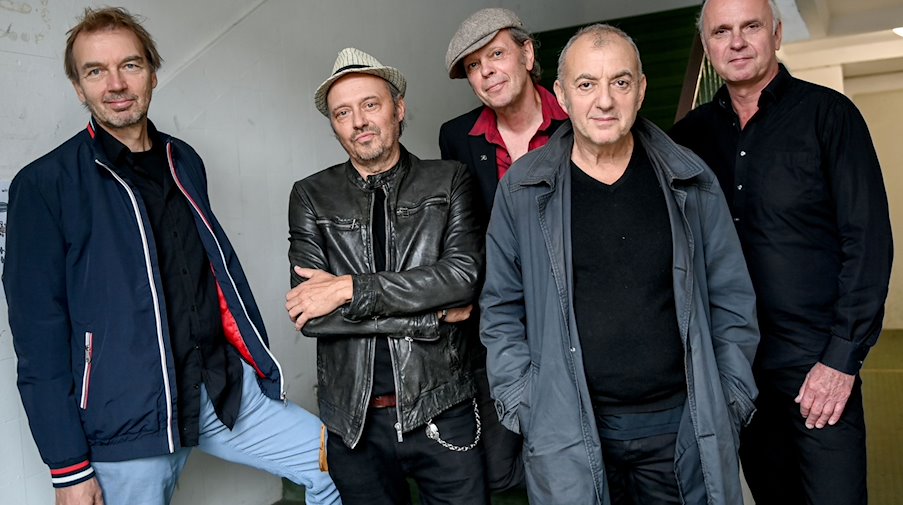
(487, 125)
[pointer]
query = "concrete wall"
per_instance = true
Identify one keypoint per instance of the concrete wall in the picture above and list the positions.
(238, 84)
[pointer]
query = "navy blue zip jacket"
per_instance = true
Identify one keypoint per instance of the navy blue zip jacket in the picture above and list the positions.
(87, 311)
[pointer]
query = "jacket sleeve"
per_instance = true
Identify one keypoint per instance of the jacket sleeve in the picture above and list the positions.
(451, 281)
(425, 327)
(731, 304)
(502, 309)
(446, 150)
(307, 249)
(863, 223)
(34, 278)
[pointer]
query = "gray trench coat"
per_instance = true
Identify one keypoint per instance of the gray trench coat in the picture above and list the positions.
(534, 357)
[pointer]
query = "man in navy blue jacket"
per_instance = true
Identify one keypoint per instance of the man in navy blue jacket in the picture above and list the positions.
(137, 334)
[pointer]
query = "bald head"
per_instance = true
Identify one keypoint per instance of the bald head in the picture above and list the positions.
(601, 35)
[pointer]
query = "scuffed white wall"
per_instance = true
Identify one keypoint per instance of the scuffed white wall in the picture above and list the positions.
(237, 84)
(882, 112)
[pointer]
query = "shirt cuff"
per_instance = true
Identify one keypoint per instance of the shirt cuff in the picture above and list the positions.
(71, 475)
(844, 355)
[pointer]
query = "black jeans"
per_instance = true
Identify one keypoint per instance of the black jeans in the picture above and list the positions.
(641, 471)
(786, 463)
(376, 471)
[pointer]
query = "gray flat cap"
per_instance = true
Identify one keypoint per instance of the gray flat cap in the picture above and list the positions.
(474, 33)
(355, 61)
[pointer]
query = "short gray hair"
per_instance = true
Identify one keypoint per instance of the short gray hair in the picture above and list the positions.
(600, 31)
(775, 17)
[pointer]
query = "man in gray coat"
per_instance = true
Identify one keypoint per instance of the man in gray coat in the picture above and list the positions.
(617, 312)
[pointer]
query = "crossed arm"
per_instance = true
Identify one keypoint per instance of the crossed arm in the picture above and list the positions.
(323, 293)
(409, 303)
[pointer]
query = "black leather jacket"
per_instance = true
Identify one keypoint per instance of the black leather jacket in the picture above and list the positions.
(434, 258)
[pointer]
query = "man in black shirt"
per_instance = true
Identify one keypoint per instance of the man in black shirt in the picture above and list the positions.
(617, 313)
(808, 201)
(137, 335)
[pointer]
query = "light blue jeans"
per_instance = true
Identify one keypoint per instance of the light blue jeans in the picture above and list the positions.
(283, 440)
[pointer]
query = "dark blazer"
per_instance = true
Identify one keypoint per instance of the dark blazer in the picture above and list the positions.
(475, 152)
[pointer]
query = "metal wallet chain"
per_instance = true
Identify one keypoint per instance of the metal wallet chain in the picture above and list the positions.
(432, 432)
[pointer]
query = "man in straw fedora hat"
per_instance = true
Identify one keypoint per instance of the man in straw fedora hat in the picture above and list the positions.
(386, 252)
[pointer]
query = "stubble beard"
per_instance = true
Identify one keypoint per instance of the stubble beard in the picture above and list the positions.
(118, 120)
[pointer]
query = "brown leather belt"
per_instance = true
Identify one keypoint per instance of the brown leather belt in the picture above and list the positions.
(383, 402)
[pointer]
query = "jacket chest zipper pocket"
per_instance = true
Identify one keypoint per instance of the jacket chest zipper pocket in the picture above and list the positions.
(339, 224)
(86, 378)
(408, 211)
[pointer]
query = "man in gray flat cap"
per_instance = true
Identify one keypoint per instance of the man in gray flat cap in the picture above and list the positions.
(497, 56)
(386, 252)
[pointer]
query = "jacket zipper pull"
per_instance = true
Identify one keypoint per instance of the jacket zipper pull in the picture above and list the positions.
(398, 431)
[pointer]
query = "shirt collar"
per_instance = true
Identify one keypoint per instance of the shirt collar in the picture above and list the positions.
(772, 92)
(487, 123)
(116, 151)
(777, 88)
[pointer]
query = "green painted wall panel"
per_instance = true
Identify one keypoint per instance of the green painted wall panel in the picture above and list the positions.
(664, 40)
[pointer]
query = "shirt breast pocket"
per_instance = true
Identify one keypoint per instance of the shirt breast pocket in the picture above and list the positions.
(792, 180)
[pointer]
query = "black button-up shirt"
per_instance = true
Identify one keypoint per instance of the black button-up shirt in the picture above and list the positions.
(807, 197)
(199, 347)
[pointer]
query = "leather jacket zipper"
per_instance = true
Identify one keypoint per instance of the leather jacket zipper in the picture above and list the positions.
(393, 359)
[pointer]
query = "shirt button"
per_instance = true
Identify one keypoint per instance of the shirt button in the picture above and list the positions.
(573, 349)
(739, 186)
(197, 386)
(736, 219)
(742, 153)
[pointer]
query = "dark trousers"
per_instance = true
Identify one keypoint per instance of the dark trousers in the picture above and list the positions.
(786, 463)
(376, 471)
(641, 471)
(503, 447)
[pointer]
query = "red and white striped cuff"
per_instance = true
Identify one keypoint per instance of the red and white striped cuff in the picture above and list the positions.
(71, 475)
